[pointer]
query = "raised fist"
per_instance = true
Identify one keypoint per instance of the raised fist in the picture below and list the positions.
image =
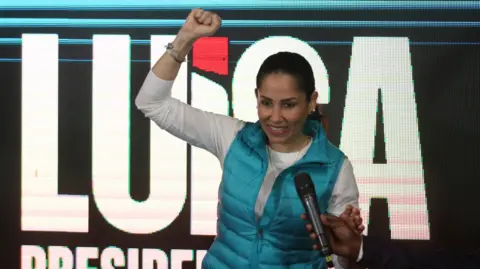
(200, 23)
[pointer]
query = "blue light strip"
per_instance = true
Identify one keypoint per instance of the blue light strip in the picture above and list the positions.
(71, 41)
(176, 23)
(238, 5)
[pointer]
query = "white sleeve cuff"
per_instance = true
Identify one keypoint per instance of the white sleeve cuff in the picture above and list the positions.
(360, 253)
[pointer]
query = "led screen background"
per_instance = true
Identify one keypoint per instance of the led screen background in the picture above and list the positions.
(399, 83)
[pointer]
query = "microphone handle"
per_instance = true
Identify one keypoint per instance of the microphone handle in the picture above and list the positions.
(314, 215)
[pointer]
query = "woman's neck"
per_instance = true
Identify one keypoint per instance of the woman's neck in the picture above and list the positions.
(297, 144)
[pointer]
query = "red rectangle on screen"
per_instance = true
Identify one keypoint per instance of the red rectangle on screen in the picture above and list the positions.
(211, 54)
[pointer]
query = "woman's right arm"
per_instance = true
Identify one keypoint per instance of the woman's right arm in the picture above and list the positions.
(212, 132)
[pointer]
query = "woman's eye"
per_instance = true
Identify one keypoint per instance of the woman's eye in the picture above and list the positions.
(265, 103)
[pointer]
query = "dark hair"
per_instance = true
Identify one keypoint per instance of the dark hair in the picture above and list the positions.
(295, 65)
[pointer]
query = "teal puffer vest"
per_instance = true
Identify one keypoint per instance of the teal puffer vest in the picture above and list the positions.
(279, 238)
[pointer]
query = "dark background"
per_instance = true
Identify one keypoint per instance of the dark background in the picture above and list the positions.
(447, 90)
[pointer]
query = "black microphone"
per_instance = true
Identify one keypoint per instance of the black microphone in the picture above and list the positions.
(306, 192)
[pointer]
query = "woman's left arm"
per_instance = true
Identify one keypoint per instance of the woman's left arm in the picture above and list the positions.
(345, 192)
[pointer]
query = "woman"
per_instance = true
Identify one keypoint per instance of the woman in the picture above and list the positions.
(259, 224)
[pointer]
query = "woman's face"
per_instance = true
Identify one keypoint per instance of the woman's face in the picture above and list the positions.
(283, 108)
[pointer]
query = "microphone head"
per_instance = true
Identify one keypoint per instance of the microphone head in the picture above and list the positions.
(304, 184)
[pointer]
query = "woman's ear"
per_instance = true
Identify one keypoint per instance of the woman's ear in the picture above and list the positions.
(313, 101)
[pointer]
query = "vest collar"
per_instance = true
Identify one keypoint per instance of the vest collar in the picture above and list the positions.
(317, 153)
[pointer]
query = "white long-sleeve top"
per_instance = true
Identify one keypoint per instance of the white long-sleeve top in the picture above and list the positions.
(215, 133)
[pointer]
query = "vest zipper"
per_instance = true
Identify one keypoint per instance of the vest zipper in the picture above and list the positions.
(258, 241)
(256, 249)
